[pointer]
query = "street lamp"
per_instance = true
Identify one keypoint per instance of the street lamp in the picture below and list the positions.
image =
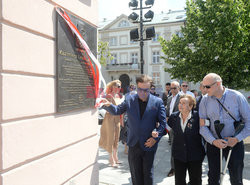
(149, 15)
(149, 2)
(133, 16)
(150, 32)
(134, 34)
(133, 3)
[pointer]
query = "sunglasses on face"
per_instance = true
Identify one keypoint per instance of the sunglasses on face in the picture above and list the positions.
(173, 88)
(152, 89)
(209, 86)
(184, 85)
(143, 90)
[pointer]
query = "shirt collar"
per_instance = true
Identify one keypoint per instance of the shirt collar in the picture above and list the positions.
(223, 95)
(189, 115)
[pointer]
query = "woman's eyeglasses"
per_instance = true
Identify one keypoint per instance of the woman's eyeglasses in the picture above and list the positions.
(209, 86)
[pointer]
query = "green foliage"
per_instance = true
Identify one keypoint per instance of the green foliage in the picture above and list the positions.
(103, 52)
(215, 39)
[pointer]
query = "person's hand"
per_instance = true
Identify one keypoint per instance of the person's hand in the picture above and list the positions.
(155, 134)
(232, 141)
(220, 143)
(105, 102)
(150, 142)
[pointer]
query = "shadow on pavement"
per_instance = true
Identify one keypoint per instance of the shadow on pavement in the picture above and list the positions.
(247, 147)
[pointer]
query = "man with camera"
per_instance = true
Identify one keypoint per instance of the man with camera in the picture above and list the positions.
(213, 107)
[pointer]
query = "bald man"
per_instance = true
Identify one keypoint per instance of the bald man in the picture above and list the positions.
(211, 109)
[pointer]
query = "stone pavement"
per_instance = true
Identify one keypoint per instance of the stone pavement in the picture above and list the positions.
(121, 176)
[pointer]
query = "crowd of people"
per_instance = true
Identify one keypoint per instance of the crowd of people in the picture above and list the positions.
(209, 124)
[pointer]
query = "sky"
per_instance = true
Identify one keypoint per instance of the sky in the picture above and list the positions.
(110, 9)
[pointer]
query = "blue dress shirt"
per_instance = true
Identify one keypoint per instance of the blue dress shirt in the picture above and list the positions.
(236, 104)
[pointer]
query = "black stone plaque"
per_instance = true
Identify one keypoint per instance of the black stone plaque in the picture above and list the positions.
(75, 83)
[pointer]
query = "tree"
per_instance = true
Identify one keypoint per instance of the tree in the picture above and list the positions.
(215, 39)
(103, 52)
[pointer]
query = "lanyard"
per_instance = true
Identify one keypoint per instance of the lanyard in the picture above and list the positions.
(221, 108)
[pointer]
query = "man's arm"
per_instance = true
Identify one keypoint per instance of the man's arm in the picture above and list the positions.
(162, 121)
(114, 109)
(205, 132)
(160, 129)
(244, 110)
(244, 113)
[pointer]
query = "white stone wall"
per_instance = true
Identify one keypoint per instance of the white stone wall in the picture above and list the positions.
(39, 146)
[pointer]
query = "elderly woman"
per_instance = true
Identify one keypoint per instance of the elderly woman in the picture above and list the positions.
(188, 151)
(110, 129)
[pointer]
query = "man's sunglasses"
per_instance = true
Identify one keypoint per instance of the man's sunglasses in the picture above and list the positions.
(144, 90)
(209, 86)
(152, 89)
(184, 85)
(173, 88)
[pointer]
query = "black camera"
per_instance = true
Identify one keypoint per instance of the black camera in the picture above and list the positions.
(238, 126)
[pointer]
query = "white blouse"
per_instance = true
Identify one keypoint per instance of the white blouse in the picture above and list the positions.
(183, 125)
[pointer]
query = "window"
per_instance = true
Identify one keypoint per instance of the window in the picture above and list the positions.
(156, 37)
(124, 58)
(180, 16)
(156, 78)
(114, 61)
(156, 57)
(123, 23)
(134, 58)
(112, 41)
(123, 40)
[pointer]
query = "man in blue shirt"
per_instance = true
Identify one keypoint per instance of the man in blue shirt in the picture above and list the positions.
(210, 109)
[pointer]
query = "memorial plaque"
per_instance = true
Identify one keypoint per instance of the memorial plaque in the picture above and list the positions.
(75, 83)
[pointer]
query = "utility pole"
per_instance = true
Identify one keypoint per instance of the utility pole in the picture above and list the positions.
(141, 38)
(150, 32)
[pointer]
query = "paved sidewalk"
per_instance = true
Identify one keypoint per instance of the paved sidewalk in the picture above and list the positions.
(121, 176)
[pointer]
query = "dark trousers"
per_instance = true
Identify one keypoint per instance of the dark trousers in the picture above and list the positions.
(235, 164)
(141, 165)
(171, 135)
(194, 171)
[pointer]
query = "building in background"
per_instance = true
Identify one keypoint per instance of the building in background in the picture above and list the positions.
(126, 63)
